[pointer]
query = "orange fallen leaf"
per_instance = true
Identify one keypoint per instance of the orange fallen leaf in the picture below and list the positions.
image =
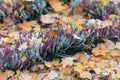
(2, 76)
(68, 30)
(9, 73)
(97, 58)
(57, 5)
(52, 33)
(83, 59)
(10, 40)
(26, 26)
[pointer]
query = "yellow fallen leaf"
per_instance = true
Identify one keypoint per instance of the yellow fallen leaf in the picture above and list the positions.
(91, 64)
(118, 74)
(83, 59)
(114, 53)
(104, 2)
(34, 76)
(85, 74)
(97, 70)
(78, 67)
(102, 51)
(24, 58)
(112, 16)
(55, 63)
(67, 70)
(67, 19)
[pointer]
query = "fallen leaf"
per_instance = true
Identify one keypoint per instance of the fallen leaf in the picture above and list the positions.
(58, 6)
(2, 76)
(34, 76)
(47, 19)
(118, 74)
(83, 59)
(68, 31)
(26, 26)
(68, 61)
(67, 70)
(4, 33)
(97, 70)
(52, 75)
(78, 67)
(112, 16)
(25, 76)
(114, 53)
(52, 33)
(14, 34)
(85, 74)
(24, 58)
(47, 63)
(117, 45)
(67, 19)
(55, 62)
(97, 58)
(91, 64)
(9, 73)
(10, 40)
